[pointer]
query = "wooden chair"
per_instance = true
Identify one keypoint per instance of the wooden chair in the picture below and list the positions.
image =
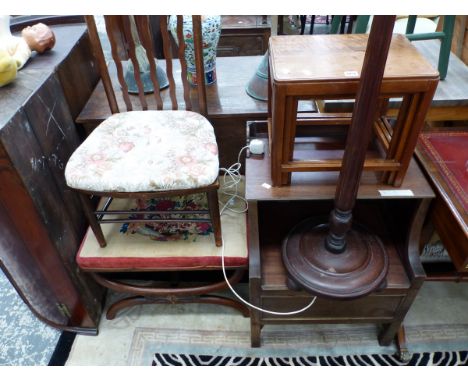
(148, 154)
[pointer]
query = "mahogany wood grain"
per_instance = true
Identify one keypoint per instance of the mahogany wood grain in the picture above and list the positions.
(331, 57)
(359, 133)
(448, 215)
(255, 276)
(121, 33)
(243, 35)
(199, 63)
(143, 300)
(322, 185)
(112, 28)
(228, 99)
(396, 220)
(213, 206)
(80, 63)
(336, 76)
(410, 142)
(130, 39)
(143, 27)
(37, 252)
(99, 55)
(148, 195)
(168, 57)
(173, 295)
(37, 135)
(183, 63)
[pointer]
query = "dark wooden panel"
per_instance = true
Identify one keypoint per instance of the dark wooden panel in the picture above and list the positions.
(249, 42)
(23, 269)
(370, 307)
(226, 98)
(37, 136)
(78, 75)
(230, 136)
(28, 251)
(32, 165)
(19, 22)
(40, 167)
(291, 213)
(322, 185)
(57, 138)
(56, 135)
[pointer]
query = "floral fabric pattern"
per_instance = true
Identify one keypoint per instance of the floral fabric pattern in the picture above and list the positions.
(140, 151)
(170, 231)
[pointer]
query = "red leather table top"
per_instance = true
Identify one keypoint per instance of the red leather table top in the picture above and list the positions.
(449, 153)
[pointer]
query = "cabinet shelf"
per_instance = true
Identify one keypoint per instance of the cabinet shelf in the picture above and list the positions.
(274, 211)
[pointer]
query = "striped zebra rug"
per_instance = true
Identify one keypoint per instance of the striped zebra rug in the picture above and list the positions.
(419, 359)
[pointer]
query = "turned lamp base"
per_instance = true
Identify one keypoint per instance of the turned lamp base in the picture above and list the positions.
(359, 270)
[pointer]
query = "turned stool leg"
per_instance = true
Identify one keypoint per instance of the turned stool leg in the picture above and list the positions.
(213, 206)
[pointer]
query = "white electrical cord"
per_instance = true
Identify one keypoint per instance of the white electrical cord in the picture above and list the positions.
(233, 172)
(254, 306)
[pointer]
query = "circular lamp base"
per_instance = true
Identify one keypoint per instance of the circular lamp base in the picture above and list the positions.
(257, 87)
(146, 80)
(359, 270)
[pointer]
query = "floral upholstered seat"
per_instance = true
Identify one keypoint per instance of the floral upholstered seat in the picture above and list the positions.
(143, 151)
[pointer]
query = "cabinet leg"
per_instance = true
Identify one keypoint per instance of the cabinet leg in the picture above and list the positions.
(403, 353)
(255, 332)
(388, 333)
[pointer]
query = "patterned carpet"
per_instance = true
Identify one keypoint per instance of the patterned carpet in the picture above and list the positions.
(24, 340)
(424, 359)
(154, 334)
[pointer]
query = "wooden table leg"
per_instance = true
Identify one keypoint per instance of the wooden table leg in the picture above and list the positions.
(402, 350)
(289, 136)
(401, 130)
(255, 277)
(278, 107)
(408, 142)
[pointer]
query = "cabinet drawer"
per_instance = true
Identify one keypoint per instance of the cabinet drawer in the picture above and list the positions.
(370, 307)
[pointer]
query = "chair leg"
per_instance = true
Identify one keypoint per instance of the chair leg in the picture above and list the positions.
(445, 45)
(213, 206)
(312, 23)
(95, 226)
(303, 23)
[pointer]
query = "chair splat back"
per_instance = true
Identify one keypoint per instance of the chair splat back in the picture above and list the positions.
(131, 42)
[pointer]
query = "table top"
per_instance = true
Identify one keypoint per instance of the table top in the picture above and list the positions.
(230, 22)
(322, 185)
(340, 57)
(444, 157)
(228, 98)
(37, 70)
(225, 98)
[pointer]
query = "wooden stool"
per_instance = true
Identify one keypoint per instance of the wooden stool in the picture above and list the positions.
(175, 270)
(328, 67)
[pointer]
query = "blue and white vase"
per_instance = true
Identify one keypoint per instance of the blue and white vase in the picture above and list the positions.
(211, 32)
